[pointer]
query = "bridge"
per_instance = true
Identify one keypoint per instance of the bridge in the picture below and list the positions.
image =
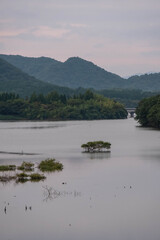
(131, 112)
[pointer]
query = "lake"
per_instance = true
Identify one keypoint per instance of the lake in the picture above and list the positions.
(113, 196)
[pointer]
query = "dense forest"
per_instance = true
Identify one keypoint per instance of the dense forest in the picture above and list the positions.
(148, 112)
(129, 97)
(54, 106)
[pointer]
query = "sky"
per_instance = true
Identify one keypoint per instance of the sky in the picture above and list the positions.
(121, 36)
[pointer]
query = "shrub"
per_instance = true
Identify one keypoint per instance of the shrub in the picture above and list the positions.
(22, 177)
(7, 168)
(26, 166)
(50, 165)
(37, 177)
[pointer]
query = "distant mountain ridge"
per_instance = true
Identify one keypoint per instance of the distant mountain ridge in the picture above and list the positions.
(77, 72)
(73, 73)
(14, 80)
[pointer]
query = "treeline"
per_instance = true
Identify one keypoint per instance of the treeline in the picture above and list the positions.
(8, 96)
(148, 112)
(54, 106)
(129, 97)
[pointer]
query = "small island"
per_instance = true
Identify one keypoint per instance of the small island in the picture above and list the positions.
(96, 147)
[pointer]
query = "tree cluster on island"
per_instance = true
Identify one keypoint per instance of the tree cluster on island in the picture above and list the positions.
(96, 146)
(54, 106)
(148, 112)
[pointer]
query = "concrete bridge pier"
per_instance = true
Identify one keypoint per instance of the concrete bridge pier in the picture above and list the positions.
(131, 112)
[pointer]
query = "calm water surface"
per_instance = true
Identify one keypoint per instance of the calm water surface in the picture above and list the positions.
(113, 196)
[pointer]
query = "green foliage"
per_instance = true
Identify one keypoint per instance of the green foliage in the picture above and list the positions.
(96, 146)
(148, 112)
(54, 106)
(37, 177)
(8, 96)
(22, 177)
(26, 166)
(129, 97)
(50, 165)
(7, 168)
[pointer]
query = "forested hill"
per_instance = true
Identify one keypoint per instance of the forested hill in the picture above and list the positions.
(14, 80)
(73, 73)
(77, 72)
(146, 82)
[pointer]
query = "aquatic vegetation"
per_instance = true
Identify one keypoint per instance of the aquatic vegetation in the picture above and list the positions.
(96, 146)
(26, 166)
(22, 177)
(7, 178)
(7, 167)
(37, 177)
(50, 165)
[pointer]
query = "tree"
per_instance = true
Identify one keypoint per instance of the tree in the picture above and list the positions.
(148, 112)
(96, 146)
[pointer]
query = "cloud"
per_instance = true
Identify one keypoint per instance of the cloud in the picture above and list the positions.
(78, 25)
(12, 33)
(4, 21)
(45, 31)
(121, 34)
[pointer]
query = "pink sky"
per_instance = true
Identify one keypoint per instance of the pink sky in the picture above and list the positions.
(119, 35)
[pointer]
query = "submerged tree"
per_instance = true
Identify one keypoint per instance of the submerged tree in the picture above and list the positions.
(96, 146)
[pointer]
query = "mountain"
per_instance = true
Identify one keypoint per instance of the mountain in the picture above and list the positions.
(13, 79)
(77, 72)
(73, 73)
(146, 82)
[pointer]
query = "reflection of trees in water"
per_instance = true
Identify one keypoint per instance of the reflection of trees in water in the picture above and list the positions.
(99, 155)
(50, 193)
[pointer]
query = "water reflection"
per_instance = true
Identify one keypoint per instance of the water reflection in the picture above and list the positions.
(33, 127)
(98, 155)
(51, 193)
(116, 198)
(18, 153)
